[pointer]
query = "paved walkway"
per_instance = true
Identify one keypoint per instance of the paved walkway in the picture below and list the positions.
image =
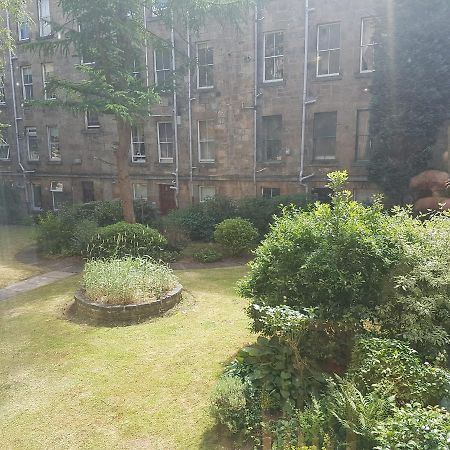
(56, 270)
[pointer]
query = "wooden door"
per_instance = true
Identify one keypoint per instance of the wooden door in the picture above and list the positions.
(166, 198)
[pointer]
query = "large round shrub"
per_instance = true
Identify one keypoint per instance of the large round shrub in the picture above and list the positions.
(335, 258)
(125, 239)
(236, 236)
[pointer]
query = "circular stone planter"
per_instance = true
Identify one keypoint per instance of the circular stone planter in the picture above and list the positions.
(100, 314)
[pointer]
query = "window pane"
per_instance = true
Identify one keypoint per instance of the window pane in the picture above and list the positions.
(323, 38)
(368, 30)
(4, 146)
(37, 196)
(323, 63)
(269, 45)
(335, 38)
(368, 58)
(278, 68)
(278, 43)
(334, 61)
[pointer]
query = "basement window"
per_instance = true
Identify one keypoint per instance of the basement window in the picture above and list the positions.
(206, 193)
(140, 191)
(4, 146)
(92, 120)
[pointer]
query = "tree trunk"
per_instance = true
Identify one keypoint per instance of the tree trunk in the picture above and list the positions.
(123, 176)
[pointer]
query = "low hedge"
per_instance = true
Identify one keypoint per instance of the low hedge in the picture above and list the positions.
(125, 239)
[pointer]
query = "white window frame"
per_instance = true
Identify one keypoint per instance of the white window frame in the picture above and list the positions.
(91, 126)
(135, 185)
(31, 132)
(208, 86)
(44, 21)
(44, 80)
(5, 144)
(56, 187)
(334, 74)
(365, 46)
(19, 31)
(136, 140)
(274, 57)
(49, 144)
(25, 85)
(203, 141)
(271, 192)
(164, 160)
(33, 199)
(2, 90)
(162, 71)
(201, 196)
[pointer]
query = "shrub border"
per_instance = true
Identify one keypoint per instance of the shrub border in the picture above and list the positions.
(111, 315)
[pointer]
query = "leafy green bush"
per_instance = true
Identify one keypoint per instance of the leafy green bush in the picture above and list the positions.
(53, 234)
(126, 281)
(82, 234)
(260, 211)
(12, 208)
(395, 368)
(228, 402)
(207, 255)
(416, 306)
(125, 239)
(102, 212)
(334, 258)
(415, 428)
(200, 220)
(236, 236)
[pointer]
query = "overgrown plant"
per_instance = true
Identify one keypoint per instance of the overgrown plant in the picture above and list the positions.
(126, 281)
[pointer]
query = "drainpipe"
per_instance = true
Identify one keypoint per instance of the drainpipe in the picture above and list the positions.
(304, 97)
(175, 118)
(255, 98)
(190, 100)
(147, 79)
(16, 119)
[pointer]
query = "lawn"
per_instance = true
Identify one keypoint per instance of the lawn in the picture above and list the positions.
(13, 240)
(68, 385)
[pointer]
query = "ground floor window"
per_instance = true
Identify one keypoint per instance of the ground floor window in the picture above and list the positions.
(57, 190)
(270, 192)
(36, 196)
(206, 192)
(140, 191)
(88, 191)
(4, 146)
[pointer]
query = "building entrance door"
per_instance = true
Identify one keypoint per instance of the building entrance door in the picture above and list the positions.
(88, 191)
(166, 198)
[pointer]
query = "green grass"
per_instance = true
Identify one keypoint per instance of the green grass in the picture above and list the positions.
(66, 385)
(12, 240)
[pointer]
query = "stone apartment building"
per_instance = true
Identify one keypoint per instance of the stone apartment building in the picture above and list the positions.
(266, 108)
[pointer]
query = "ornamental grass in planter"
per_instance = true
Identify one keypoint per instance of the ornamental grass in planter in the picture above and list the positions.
(126, 281)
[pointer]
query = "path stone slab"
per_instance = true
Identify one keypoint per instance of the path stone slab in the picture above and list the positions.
(33, 283)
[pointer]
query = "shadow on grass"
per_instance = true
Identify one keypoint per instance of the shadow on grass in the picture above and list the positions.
(219, 438)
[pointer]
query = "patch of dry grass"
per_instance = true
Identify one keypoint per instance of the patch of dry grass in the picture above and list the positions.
(13, 239)
(64, 385)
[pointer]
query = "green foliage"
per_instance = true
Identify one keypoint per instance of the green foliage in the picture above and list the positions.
(417, 301)
(207, 255)
(102, 212)
(228, 402)
(126, 281)
(260, 211)
(357, 414)
(236, 236)
(54, 234)
(391, 366)
(12, 207)
(415, 428)
(83, 233)
(272, 368)
(334, 258)
(411, 91)
(199, 221)
(126, 239)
